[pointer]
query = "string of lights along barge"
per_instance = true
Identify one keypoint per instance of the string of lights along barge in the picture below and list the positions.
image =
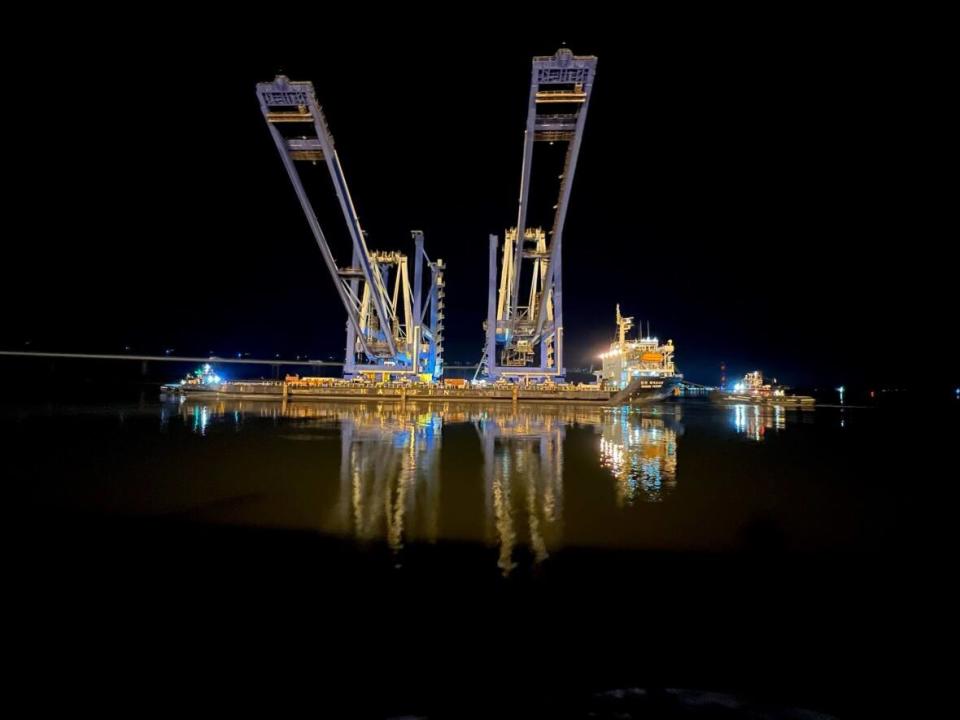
(635, 371)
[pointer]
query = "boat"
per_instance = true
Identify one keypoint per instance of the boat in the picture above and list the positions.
(203, 379)
(753, 390)
(639, 370)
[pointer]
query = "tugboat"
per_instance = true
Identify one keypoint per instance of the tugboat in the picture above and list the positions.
(202, 379)
(753, 390)
(639, 370)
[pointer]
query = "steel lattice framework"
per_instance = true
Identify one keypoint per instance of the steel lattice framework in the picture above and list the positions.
(386, 328)
(524, 331)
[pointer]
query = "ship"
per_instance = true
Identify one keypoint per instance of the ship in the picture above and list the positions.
(639, 370)
(753, 390)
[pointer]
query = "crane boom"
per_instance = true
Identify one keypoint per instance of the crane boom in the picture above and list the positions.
(382, 325)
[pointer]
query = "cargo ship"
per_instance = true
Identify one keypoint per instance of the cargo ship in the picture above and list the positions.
(752, 390)
(639, 370)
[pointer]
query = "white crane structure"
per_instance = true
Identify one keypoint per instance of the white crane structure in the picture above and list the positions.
(524, 327)
(393, 326)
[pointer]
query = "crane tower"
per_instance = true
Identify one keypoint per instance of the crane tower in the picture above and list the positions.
(392, 325)
(524, 331)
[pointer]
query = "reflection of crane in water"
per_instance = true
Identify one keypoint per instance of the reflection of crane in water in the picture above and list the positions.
(641, 453)
(523, 476)
(389, 480)
(389, 473)
(389, 461)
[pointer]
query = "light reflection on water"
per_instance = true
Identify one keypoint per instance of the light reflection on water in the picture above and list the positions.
(389, 475)
(389, 471)
(523, 477)
(755, 421)
(504, 491)
(641, 453)
(200, 420)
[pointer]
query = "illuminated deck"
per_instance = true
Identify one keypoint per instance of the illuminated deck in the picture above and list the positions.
(397, 392)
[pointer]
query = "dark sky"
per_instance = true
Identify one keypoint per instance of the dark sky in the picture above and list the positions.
(761, 195)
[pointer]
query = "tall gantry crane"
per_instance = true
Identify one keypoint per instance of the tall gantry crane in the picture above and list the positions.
(524, 332)
(391, 327)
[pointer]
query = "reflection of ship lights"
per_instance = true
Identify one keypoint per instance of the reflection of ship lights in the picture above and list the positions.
(754, 421)
(641, 454)
(201, 418)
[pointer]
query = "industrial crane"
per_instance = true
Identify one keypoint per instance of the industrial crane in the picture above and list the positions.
(392, 328)
(524, 332)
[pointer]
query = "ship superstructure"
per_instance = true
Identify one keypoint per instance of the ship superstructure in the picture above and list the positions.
(642, 363)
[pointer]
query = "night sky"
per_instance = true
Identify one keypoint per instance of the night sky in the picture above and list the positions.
(761, 197)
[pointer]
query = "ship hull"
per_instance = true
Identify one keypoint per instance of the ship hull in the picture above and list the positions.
(668, 388)
(643, 390)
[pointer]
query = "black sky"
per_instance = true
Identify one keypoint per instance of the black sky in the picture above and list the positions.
(765, 193)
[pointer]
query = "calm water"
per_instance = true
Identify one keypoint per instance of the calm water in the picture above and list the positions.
(464, 554)
(522, 484)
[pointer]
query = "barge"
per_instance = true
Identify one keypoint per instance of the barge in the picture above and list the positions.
(634, 371)
(335, 390)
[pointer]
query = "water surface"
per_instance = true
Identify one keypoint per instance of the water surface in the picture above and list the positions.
(522, 483)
